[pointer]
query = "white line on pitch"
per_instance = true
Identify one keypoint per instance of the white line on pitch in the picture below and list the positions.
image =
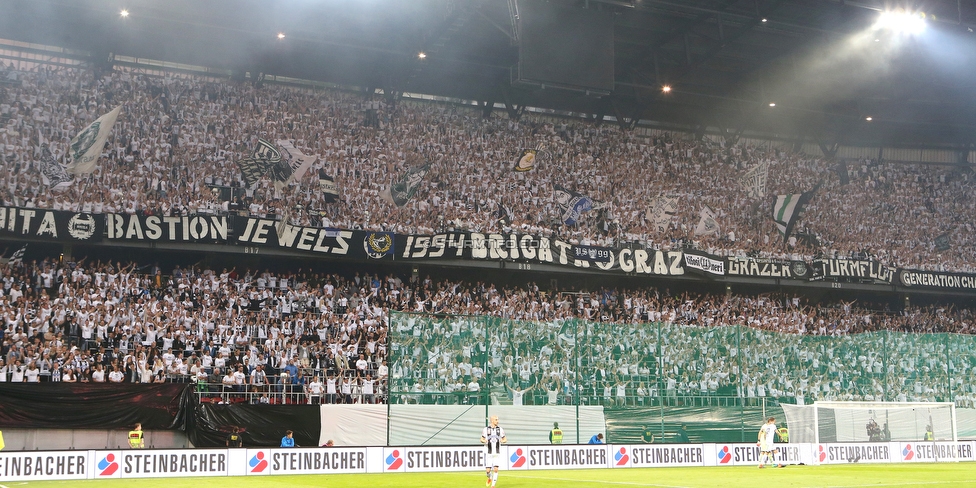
(602, 482)
(907, 483)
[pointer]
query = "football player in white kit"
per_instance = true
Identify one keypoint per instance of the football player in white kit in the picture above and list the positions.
(492, 437)
(767, 440)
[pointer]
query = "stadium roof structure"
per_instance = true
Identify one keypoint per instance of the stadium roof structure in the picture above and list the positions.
(818, 70)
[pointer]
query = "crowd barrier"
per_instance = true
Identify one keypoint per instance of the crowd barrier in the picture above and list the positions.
(98, 464)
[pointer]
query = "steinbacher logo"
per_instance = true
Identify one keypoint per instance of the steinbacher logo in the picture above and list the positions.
(621, 457)
(908, 453)
(517, 458)
(393, 461)
(258, 463)
(108, 466)
(724, 455)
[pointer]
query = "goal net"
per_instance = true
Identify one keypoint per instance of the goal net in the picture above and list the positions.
(871, 422)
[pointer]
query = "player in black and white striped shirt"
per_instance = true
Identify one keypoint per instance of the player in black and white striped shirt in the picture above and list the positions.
(492, 437)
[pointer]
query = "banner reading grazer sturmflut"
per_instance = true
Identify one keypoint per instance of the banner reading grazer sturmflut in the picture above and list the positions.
(853, 269)
(767, 268)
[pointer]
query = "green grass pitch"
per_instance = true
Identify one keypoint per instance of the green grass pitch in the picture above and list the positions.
(837, 476)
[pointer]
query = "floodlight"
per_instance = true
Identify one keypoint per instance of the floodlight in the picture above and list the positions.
(772, 104)
(124, 13)
(422, 55)
(281, 35)
(869, 118)
(764, 20)
(666, 88)
(901, 21)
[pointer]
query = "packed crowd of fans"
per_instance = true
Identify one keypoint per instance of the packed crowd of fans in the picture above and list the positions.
(262, 336)
(680, 358)
(180, 135)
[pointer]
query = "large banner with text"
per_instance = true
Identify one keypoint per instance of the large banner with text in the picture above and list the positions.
(252, 234)
(41, 224)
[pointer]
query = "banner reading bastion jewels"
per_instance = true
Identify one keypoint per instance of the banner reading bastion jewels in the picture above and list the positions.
(35, 224)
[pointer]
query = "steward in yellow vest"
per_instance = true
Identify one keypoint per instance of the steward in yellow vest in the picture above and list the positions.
(555, 435)
(136, 440)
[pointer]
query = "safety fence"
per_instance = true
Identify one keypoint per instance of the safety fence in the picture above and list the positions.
(663, 367)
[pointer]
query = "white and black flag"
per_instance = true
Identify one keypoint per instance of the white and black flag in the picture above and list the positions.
(573, 205)
(284, 222)
(707, 223)
(86, 147)
(18, 256)
(400, 192)
(504, 215)
(788, 208)
(52, 172)
(251, 170)
(266, 160)
(665, 207)
(330, 190)
(754, 180)
(297, 161)
(942, 243)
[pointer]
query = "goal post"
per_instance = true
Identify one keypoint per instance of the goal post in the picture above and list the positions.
(871, 422)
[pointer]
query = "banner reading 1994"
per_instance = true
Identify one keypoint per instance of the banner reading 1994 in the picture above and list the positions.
(527, 248)
(34, 224)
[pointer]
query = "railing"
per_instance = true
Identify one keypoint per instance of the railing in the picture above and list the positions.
(281, 394)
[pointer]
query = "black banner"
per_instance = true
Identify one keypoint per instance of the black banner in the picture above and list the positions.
(194, 228)
(767, 268)
(935, 279)
(328, 186)
(704, 263)
(95, 405)
(593, 254)
(355, 244)
(36, 223)
(526, 248)
(31, 224)
(853, 270)
(262, 425)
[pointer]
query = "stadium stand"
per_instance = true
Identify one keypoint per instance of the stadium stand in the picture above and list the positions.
(258, 337)
(174, 149)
